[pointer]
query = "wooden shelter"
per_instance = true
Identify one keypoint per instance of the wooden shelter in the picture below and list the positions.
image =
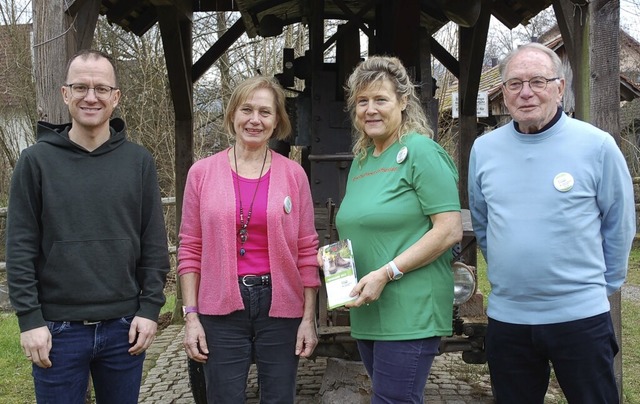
(404, 28)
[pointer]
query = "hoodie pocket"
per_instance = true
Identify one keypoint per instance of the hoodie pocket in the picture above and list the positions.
(94, 271)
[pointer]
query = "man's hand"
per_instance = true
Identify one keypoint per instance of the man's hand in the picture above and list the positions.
(141, 333)
(36, 344)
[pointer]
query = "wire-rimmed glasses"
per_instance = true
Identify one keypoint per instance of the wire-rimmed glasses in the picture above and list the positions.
(536, 84)
(102, 92)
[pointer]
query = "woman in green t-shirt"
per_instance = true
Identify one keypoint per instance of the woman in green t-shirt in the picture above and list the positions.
(401, 211)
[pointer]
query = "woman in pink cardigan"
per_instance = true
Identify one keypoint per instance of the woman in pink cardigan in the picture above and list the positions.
(247, 257)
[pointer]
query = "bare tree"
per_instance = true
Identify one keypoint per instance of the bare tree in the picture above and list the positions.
(17, 91)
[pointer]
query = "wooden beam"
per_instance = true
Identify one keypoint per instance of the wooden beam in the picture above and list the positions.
(398, 30)
(50, 56)
(591, 34)
(448, 61)
(143, 23)
(356, 20)
(573, 21)
(604, 58)
(424, 78)
(176, 40)
(123, 9)
(471, 44)
(83, 18)
(223, 43)
(603, 50)
(216, 5)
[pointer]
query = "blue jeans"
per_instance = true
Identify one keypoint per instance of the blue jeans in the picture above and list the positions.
(580, 351)
(99, 349)
(236, 339)
(398, 369)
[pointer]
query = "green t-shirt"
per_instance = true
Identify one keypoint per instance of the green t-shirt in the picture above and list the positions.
(385, 210)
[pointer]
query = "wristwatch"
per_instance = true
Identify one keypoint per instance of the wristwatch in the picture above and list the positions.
(396, 273)
(188, 309)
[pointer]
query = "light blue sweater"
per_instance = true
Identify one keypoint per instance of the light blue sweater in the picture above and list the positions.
(554, 254)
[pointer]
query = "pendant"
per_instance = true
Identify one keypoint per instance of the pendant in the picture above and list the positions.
(244, 235)
(242, 252)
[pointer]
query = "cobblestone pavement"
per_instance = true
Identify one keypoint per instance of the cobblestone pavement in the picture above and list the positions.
(166, 380)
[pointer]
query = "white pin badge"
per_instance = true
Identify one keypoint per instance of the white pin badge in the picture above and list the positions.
(402, 154)
(287, 204)
(563, 182)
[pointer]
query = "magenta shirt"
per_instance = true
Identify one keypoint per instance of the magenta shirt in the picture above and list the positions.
(255, 261)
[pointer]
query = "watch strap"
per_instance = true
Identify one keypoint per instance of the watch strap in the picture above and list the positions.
(189, 309)
(396, 273)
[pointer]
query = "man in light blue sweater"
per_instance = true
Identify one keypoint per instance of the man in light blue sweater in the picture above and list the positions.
(553, 211)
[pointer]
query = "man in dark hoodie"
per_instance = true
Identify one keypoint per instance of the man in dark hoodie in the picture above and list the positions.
(87, 254)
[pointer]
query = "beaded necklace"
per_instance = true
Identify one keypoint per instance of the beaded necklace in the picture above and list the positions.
(243, 233)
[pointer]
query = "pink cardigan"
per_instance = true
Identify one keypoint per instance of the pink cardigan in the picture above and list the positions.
(208, 236)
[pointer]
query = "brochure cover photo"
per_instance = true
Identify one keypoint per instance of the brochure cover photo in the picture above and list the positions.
(339, 271)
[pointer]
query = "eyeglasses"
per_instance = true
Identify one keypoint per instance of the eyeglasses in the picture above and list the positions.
(536, 84)
(81, 90)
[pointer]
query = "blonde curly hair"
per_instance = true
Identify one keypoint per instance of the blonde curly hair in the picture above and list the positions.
(374, 70)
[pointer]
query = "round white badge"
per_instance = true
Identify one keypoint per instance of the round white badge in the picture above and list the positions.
(563, 182)
(402, 154)
(287, 204)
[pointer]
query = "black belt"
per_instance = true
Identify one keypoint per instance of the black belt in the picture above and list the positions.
(255, 280)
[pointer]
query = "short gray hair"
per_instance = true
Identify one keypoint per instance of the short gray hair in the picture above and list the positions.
(555, 60)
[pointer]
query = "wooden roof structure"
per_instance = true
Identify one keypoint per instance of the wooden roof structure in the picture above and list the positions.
(402, 27)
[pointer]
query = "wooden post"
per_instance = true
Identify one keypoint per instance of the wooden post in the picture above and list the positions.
(50, 57)
(591, 32)
(604, 111)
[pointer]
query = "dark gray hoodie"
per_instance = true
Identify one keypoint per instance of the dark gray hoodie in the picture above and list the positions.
(85, 231)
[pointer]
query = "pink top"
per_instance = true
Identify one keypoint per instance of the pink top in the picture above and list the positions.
(255, 261)
(208, 236)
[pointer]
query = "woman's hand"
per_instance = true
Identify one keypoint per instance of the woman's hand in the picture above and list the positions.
(369, 287)
(307, 339)
(195, 342)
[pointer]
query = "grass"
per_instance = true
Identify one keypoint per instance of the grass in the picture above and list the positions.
(169, 305)
(15, 370)
(631, 334)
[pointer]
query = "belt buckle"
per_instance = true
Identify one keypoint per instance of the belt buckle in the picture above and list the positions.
(244, 280)
(87, 322)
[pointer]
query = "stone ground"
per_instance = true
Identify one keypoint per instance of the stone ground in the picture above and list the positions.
(166, 380)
